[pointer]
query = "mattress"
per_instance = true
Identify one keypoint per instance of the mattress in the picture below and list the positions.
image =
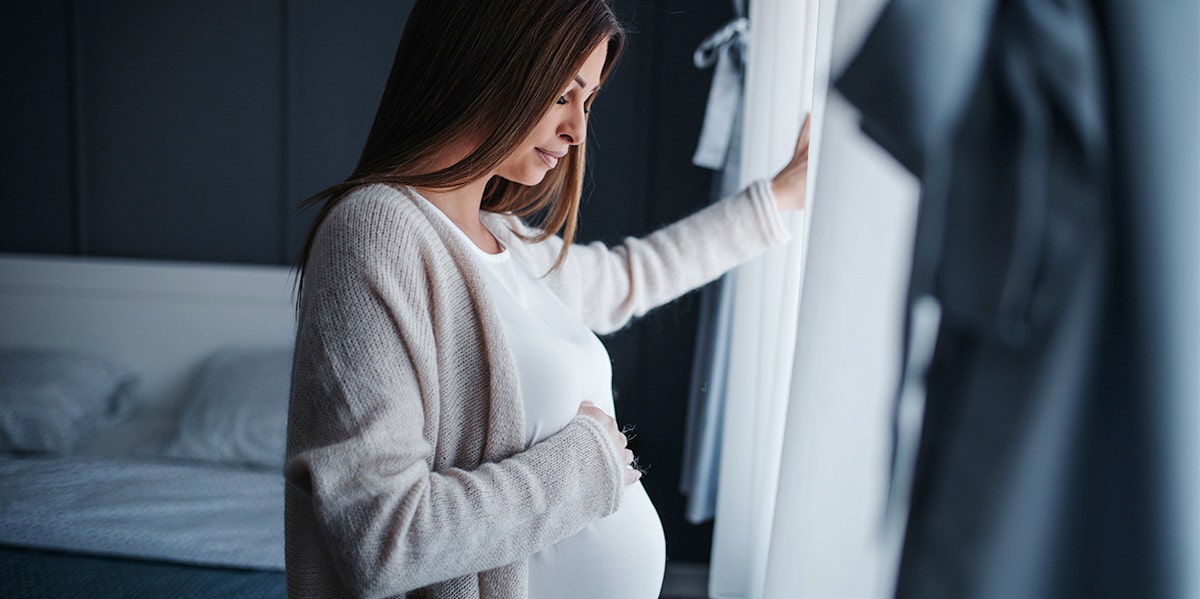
(149, 508)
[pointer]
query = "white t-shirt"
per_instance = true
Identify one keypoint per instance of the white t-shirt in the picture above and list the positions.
(561, 363)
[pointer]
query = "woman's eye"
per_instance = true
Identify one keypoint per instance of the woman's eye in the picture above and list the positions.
(562, 101)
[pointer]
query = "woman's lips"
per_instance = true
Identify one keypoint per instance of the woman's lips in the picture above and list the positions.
(551, 160)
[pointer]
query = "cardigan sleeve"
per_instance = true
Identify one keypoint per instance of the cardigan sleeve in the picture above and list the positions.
(609, 286)
(364, 409)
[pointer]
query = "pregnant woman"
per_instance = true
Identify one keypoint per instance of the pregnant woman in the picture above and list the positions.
(452, 430)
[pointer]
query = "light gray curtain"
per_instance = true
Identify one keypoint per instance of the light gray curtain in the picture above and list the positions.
(719, 149)
(1057, 145)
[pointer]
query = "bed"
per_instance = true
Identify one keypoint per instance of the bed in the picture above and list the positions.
(142, 421)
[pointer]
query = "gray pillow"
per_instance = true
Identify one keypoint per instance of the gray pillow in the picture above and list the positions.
(52, 400)
(235, 409)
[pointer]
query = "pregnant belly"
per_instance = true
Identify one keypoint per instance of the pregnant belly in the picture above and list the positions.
(622, 555)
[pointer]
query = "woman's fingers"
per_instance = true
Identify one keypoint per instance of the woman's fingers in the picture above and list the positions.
(619, 441)
(789, 185)
(632, 475)
(800, 154)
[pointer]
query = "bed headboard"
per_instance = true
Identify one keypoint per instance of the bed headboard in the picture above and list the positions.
(160, 318)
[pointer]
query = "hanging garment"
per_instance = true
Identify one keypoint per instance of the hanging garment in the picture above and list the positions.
(1042, 469)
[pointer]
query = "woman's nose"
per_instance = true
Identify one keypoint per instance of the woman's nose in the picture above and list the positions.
(573, 129)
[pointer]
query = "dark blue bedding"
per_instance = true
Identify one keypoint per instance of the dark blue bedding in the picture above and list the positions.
(39, 574)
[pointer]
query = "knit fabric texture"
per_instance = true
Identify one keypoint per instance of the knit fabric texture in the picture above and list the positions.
(406, 472)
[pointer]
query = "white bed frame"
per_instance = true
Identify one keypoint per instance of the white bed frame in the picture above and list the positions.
(160, 318)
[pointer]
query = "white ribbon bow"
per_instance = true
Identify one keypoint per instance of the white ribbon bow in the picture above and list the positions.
(726, 48)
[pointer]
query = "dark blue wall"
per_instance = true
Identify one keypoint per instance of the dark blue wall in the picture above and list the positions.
(189, 131)
(182, 130)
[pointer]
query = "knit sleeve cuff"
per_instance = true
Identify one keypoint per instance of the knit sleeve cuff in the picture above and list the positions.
(770, 221)
(611, 462)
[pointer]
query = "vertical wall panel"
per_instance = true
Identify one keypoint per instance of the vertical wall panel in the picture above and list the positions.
(182, 123)
(35, 143)
(340, 54)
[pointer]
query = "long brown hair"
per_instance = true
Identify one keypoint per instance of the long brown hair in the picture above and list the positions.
(470, 66)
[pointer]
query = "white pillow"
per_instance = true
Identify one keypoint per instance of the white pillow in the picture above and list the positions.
(52, 400)
(235, 409)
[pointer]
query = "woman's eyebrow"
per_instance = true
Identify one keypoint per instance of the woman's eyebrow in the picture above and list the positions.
(583, 84)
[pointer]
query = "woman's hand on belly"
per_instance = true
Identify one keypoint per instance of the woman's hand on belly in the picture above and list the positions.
(616, 437)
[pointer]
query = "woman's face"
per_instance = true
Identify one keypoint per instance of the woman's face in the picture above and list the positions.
(563, 126)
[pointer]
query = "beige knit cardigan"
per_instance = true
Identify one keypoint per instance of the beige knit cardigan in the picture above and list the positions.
(406, 469)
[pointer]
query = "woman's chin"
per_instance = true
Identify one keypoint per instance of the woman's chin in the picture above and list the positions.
(528, 179)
